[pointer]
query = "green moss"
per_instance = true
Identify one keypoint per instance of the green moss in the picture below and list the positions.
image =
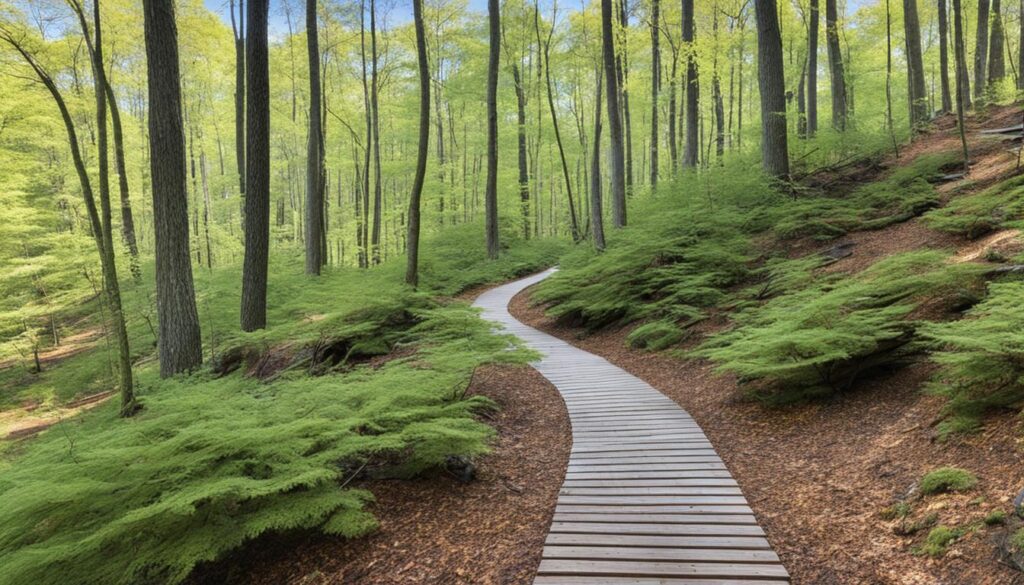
(947, 479)
(995, 518)
(939, 539)
(898, 510)
(1017, 540)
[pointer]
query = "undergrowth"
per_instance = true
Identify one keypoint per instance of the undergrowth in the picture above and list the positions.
(947, 479)
(982, 358)
(220, 457)
(819, 339)
(999, 206)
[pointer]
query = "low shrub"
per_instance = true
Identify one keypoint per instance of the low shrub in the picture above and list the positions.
(821, 338)
(973, 216)
(939, 540)
(982, 358)
(655, 336)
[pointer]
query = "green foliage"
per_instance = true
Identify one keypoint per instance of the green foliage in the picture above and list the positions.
(1017, 540)
(687, 247)
(981, 358)
(902, 194)
(947, 479)
(818, 339)
(655, 336)
(995, 518)
(939, 540)
(999, 206)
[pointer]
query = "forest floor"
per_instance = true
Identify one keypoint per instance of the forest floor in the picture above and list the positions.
(820, 475)
(489, 531)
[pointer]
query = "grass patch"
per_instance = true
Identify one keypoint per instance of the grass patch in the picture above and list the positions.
(1017, 540)
(655, 336)
(947, 479)
(995, 518)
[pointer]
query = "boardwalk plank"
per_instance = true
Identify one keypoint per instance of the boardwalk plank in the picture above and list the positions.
(646, 500)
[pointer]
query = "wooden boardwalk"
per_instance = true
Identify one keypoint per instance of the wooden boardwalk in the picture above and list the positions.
(646, 500)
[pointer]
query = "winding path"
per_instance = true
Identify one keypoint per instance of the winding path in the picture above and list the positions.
(646, 500)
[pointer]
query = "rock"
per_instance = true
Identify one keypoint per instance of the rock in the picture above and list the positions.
(461, 467)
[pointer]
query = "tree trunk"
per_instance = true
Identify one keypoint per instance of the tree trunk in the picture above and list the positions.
(981, 49)
(111, 283)
(947, 100)
(524, 171)
(655, 86)
(915, 66)
(1020, 49)
(314, 150)
(596, 204)
(573, 219)
(257, 169)
(692, 144)
(127, 218)
(622, 59)
(996, 56)
(180, 343)
(835, 61)
(614, 117)
(239, 35)
(374, 89)
(962, 101)
(812, 68)
(772, 82)
(364, 252)
(673, 150)
(412, 274)
(491, 192)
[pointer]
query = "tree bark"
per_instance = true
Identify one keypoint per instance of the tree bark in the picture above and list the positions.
(127, 218)
(915, 66)
(655, 86)
(996, 56)
(962, 90)
(180, 343)
(491, 192)
(981, 49)
(239, 35)
(1020, 49)
(947, 100)
(771, 80)
(412, 275)
(374, 101)
(835, 60)
(524, 171)
(691, 145)
(618, 178)
(596, 203)
(257, 169)
(622, 59)
(314, 150)
(812, 68)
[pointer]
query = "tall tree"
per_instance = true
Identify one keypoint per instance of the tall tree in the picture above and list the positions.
(981, 49)
(99, 218)
(573, 220)
(596, 197)
(314, 150)
(412, 271)
(996, 58)
(378, 194)
(835, 63)
(692, 144)
(257, 168)
(514, 63)
(915, 66)
(655, 86)
(622, 66)
(962, 90)
(618, 178)
(772, 82)
(1020, 49)
(491, 191)
(813, 24)
(238, 30)
(127, 217)
(180, 344)
(947, 100)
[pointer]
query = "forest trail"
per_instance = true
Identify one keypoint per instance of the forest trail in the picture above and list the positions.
(645, 499)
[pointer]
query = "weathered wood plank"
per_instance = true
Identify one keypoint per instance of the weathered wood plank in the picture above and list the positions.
(646, 500)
